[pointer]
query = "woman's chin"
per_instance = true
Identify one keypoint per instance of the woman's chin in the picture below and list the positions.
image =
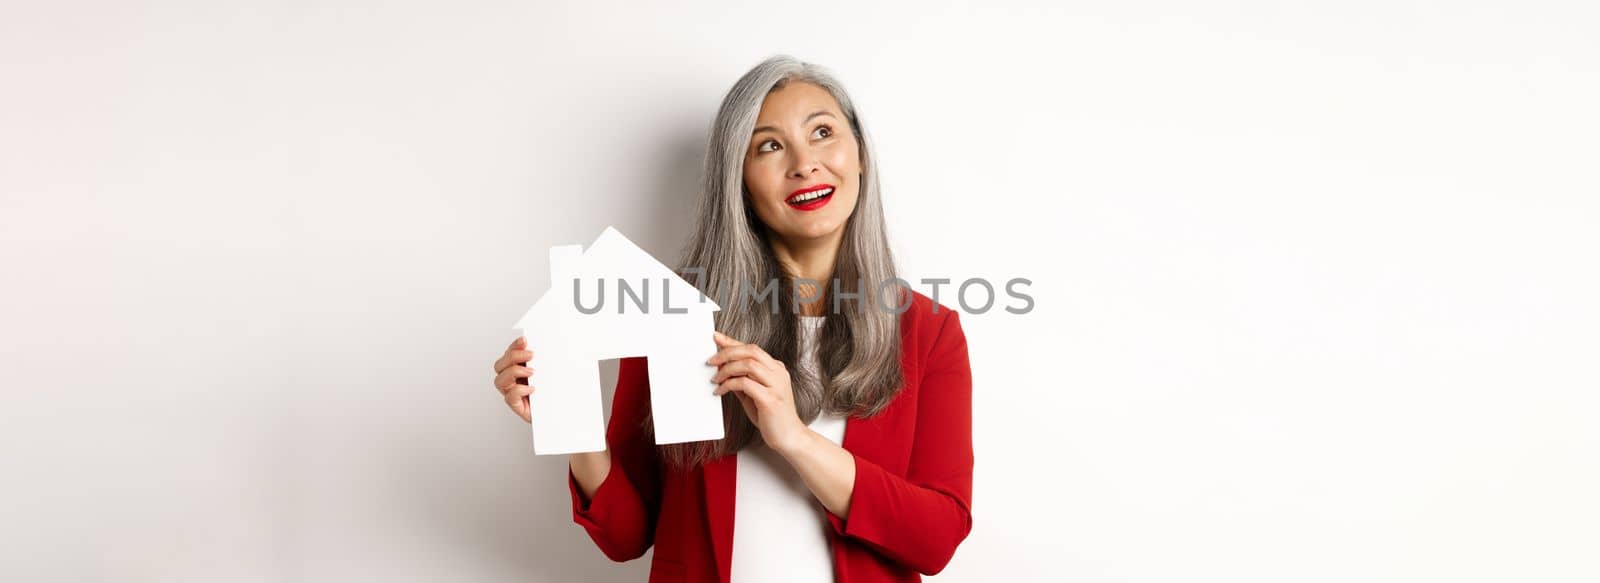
(818, 229)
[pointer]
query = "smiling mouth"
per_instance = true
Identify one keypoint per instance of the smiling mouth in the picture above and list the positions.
(810, 199)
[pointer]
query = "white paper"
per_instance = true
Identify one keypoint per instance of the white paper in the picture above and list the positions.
(568, 346)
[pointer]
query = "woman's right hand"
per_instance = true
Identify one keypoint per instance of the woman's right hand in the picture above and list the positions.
(511, 377)
(511, 374)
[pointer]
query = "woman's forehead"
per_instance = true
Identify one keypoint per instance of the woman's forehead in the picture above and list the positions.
(794, 103)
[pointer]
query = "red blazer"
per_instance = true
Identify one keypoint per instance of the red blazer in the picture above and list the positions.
(912, 502)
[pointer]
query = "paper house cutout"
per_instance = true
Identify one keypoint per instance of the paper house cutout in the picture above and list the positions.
(645, 310)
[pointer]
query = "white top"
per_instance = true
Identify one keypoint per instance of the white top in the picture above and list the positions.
(780, 530)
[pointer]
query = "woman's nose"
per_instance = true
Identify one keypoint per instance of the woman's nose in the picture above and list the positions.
(805, 165)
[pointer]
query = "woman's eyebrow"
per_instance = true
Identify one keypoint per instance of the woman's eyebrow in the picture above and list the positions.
(808, 120)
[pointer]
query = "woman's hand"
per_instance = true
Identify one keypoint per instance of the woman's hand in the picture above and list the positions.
(511, 377)
(762, 385)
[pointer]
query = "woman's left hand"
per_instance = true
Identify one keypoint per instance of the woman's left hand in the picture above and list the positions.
(761, 383)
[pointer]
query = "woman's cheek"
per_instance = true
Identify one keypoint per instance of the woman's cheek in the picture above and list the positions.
(757, 187)
(844, 158)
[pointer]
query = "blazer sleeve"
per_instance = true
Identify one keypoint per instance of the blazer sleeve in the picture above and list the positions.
(919, 519)
(622, 516)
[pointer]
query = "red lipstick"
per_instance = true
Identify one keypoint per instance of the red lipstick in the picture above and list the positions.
(810, 198)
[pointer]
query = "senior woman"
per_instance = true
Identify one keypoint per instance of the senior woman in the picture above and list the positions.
(847, 397)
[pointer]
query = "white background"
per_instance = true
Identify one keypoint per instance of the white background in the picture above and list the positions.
(1315, 285)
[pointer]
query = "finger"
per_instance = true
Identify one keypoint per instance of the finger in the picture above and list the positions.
(725, 341)
(504, 361)
(512, 357)
(744, 367)
(746, 387)
(727, 386)
(736, 352)
(519, 391)
(518, 343)
(519, 405)
(510, 377)
(748, 405)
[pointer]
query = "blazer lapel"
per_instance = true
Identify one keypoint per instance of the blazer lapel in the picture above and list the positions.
(720, 476)
(856, 433)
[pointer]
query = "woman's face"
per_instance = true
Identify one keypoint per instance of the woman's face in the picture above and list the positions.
(802, 147)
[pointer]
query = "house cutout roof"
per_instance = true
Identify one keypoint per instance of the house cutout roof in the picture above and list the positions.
(612, 257)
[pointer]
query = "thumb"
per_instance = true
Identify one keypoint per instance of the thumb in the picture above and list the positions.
(723, 340)
(749, 406)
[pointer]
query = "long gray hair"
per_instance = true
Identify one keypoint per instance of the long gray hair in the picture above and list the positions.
(858, 350)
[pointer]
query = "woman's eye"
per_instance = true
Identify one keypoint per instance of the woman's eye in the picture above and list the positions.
(822, 132)
(767, 146)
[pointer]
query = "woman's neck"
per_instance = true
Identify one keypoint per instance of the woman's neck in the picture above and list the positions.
(811, 259)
